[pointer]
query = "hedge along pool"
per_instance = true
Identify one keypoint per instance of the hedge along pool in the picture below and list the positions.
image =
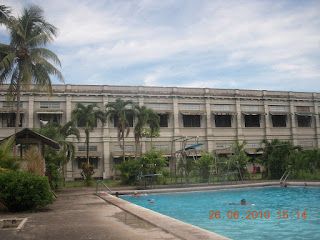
(278, 213)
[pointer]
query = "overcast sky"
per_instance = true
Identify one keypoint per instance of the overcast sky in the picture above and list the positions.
(265, 44)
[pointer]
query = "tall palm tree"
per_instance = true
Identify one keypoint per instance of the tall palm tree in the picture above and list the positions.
(120, 112)
(144, 116)
(88, 115)
(25, 61)
(154, 124)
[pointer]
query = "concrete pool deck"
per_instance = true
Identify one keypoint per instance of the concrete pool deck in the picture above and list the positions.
(78, 214)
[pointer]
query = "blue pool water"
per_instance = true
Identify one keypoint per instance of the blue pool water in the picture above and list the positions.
(194, 208)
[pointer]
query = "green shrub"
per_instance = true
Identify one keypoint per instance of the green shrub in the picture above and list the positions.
(129, 171)
(20, 191)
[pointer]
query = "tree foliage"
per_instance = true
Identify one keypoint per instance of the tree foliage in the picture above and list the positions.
(121, 112)
(8, 162)
(204, 163)
(89, 115)
(240, 158)
(150, 162)
(278, 156)
(20, 191)
(25, 60)
(144, 116)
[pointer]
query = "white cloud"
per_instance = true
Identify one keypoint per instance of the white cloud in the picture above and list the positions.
(174, 39)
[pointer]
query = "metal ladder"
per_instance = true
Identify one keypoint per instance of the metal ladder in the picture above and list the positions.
(97, 186)
(285, 176)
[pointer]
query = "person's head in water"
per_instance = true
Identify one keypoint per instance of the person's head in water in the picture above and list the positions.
(243, 202)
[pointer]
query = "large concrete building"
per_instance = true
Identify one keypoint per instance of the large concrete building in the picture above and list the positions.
(217, 116)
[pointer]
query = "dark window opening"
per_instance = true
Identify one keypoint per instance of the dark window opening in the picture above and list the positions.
(191, 120)
(50, 118)
(163, 120)
(223, 120)
(82, 123)
(304, 121)
(117, 161)
(279, 120)
(252, 120)
(92, 161)
(9, 120)
(129, 118)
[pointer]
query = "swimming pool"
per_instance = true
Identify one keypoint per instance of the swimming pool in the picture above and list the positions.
(278, 213)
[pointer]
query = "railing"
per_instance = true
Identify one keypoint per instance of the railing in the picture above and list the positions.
(97, 186)
(285, 176)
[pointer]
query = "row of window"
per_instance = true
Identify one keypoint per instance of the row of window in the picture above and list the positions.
(8, 120)
(249, 121)
(165, 106)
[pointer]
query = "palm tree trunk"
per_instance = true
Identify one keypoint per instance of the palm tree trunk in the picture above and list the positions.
(17, 122)
(87, 140)
(123, 152)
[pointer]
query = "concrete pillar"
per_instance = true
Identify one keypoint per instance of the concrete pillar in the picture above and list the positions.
(239, 120)
(208, 117)
(317, 123)
(266, 117)
(107, 158)
(68, 108)
(176, 128)
(31, 112)
(294, 136)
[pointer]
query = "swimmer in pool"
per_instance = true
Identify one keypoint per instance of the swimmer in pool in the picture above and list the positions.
(136, 194)
(243, 202)
(151, 200)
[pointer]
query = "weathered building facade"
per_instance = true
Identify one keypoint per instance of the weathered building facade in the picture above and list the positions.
(217, 116)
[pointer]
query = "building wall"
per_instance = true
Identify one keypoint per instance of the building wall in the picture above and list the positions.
(206, 103)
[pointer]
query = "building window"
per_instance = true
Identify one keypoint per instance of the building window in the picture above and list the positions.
(191, 120)
(253, 145)
(252, 120)
(127, 148)
(158, 106)
(50, 118)
(9, 120)
(279, 120)
(192, 107)
(130, 120)
(277, 108)
(163, 120)
(302, 109)
(304, 121)
(49, 105)
(84, 148)
(11, 105)
(222, 120)
(161, 147)
(223, 145)
(222, 107)
(92, 161)
(82, 123)
(306, 143)
(251, 108)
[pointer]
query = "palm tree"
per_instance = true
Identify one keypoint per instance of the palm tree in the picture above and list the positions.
(7, 162)
(120, 112)
(88, 116)
(60, 134)
(25, 61)
(145, 116)
(4, 13)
